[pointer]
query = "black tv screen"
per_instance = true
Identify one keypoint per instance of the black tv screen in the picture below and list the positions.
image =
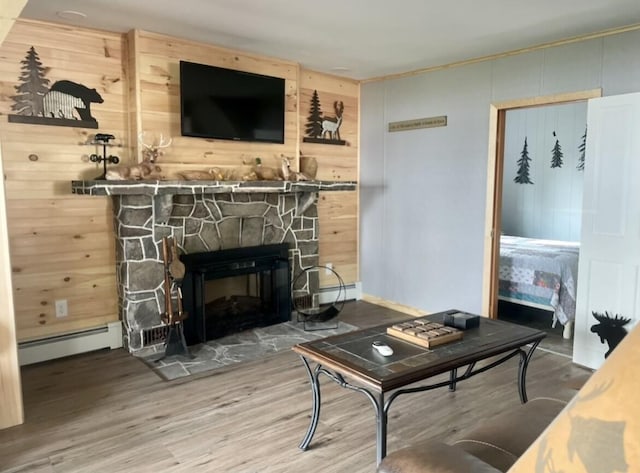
(230, 105)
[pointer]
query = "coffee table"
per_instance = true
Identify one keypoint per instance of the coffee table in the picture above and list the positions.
(350, 361)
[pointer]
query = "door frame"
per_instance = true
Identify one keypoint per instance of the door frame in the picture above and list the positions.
(495, 170)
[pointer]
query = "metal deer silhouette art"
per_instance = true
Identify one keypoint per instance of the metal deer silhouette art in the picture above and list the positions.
(610, 329)
(331, 125)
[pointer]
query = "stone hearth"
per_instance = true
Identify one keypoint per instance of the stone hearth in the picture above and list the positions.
(202, 216)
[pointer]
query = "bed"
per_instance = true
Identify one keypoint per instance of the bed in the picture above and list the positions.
(540, 273)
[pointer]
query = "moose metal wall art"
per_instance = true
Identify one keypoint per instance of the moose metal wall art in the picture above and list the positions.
(610, 329)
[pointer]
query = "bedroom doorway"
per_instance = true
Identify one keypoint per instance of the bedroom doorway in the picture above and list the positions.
(535, 212)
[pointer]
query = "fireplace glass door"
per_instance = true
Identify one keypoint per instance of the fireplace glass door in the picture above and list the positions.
(229, 291)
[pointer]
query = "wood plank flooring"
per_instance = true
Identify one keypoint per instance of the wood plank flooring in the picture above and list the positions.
(541, 320)
(106, 412)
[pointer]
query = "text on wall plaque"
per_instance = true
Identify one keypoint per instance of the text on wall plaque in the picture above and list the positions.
(430, 122)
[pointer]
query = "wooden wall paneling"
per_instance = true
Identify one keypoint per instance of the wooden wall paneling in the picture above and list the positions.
(75, 242)
(338, 216)
(10, 383)
(21, 227)
(52, 261)
(158, 83)
(134, 100)
(38, 325)
(338, 212)
(330, 84)
(176, 49)
(48, 242)
(10, 11)
(12, 412)
(83, 244)
(66, 38)
(62, 245)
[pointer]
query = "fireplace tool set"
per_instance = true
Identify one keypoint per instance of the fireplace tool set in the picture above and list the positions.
(175, 343)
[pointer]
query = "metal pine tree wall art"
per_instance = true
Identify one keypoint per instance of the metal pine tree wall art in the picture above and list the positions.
(33, 86)
(65, 103)
(323, 129)
(522, 175)
(313, 128)
(556, 154)
(582, 148)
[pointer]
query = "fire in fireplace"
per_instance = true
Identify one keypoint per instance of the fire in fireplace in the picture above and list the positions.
(228, 291)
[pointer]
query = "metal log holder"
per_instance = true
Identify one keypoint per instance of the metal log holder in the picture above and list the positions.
(307, 307)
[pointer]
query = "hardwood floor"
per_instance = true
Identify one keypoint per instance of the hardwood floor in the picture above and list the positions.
(106, 412)
(541, 320)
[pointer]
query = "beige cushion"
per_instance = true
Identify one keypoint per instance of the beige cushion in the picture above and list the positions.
(433, 457)
(502, 440)
(492, 447)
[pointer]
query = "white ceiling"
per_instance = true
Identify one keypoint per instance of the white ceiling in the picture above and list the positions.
(360, 39)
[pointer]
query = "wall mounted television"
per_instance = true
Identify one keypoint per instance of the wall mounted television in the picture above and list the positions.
(230, 105)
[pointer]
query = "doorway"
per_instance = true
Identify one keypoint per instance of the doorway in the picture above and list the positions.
(512, 190)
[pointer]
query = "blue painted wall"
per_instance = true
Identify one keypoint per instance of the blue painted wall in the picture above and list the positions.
(423, 192)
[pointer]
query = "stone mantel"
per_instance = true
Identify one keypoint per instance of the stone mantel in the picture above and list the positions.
(203, 216)
(205, 187)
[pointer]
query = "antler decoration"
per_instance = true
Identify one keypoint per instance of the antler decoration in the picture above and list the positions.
(152, 151)
(147, 169)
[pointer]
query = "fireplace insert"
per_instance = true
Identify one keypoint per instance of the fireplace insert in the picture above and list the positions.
(229, 291)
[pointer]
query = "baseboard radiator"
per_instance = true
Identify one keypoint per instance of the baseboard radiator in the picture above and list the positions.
(109, 336)
(328, 295)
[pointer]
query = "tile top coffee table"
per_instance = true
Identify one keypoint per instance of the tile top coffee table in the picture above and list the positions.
(350, 360)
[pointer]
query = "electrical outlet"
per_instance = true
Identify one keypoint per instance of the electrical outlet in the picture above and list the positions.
(62, 310)
(329, 267)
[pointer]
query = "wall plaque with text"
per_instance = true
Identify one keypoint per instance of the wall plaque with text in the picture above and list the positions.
(429, 122)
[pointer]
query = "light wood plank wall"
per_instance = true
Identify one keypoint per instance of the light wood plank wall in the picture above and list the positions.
(62, 245)
(12, 412)
(10, 385)
(338, 211)
(156, 70)
(157, 90)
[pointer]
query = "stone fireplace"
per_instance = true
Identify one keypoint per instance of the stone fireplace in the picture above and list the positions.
(202, 217)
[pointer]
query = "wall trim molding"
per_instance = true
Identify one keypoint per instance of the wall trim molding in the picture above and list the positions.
(108, 336)
(413, 311)
(514, 52)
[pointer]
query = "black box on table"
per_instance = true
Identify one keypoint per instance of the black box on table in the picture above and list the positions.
(461, 320)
